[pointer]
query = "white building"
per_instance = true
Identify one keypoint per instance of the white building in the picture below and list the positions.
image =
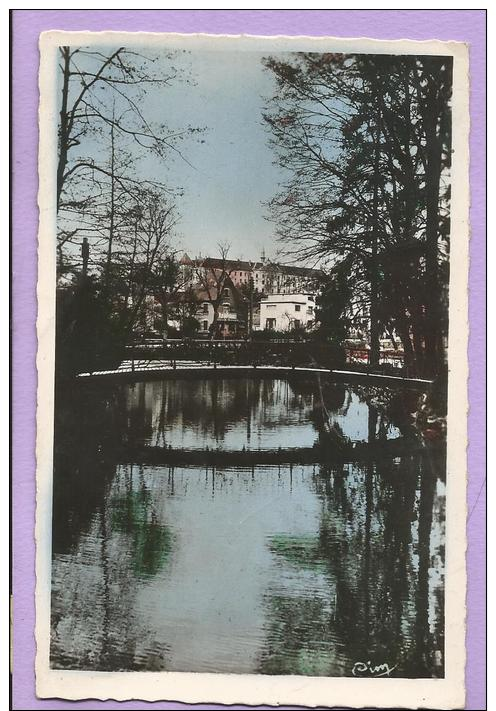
(285, 312)
(262, 277)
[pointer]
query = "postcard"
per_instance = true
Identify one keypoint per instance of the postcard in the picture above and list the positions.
(252, 400)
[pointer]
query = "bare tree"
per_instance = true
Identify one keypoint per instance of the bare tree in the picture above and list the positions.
(166, 285)
(101, 206)
(106, 90)
(152, 245)
(213, 275)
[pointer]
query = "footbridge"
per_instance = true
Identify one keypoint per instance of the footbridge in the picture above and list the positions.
(325, 453)
(137, 370)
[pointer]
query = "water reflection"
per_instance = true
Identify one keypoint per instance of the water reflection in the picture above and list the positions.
(274, 570)
(232, 413)
(378, 568)
(251, 413)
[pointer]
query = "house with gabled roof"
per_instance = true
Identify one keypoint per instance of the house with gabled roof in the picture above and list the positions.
(224, 314)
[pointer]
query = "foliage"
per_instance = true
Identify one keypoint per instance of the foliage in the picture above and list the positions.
(270, 334)
(332, 313)
(365, 140)
(89, 335)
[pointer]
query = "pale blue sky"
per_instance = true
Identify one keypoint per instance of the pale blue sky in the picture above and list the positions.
(233, 170)
(231, 173)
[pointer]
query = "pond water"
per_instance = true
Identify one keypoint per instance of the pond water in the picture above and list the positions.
(234, 413)
(288, 569)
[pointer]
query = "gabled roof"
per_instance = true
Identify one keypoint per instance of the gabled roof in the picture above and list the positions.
(201, 294)
(185, 259)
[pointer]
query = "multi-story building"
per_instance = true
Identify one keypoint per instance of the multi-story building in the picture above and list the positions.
(263, 276)
(288, 279)
(232, 311)
(285, 312)
(259, 294)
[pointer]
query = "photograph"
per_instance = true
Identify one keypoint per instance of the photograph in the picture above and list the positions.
(252, 285)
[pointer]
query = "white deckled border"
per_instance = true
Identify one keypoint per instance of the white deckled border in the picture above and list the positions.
(447, 693)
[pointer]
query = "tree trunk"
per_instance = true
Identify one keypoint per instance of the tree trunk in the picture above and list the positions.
(409, 355)
(64, 123)
(165, 315)
(433, 176)
(130, 281)
(374, 281)
(112, 210)
(436, 127)
(418, 340)
(215, 319)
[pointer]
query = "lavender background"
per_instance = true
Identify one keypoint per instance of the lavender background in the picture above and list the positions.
(463, 25)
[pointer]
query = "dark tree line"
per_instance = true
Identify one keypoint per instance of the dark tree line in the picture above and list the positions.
(366, 143)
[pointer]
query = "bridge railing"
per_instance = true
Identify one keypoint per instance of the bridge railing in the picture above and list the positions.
(238, 352)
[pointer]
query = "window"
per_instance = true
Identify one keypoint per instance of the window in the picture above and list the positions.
(270, 323)
(296, 323)
(205, 308)
(297, 307)
(205, 325)
(225, 292)
(310, 310)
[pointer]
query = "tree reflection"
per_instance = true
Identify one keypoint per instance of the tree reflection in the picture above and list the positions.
(429, 640)
(95, 624)
(210, 408)
(375, 548)
(360, 579)
(151, 541)
(298, 640)
(88, 428)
